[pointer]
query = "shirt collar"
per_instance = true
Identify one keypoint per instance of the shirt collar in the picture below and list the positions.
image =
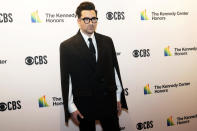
(85, 37)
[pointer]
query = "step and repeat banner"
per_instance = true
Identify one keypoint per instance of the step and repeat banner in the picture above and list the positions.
(156, 45)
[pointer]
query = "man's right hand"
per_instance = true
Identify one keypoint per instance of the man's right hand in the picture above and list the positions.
(74, 116)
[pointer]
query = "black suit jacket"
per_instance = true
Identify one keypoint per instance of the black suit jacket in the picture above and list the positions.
(93, 83)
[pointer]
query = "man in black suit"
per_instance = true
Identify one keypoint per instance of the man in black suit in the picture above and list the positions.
(90, 77)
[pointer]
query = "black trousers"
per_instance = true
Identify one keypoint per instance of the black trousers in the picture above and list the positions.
(107, 123)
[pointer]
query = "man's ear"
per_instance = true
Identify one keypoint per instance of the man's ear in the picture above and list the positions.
(78, 21)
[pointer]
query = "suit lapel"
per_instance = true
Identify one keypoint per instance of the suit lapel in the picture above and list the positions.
(100, 47)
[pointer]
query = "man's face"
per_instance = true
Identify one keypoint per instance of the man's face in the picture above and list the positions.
(87, 28)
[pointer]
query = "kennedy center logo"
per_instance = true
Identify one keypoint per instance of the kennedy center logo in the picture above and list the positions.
(35, 17)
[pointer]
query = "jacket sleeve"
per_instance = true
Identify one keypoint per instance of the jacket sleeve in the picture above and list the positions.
(64, 79)
(115, 62)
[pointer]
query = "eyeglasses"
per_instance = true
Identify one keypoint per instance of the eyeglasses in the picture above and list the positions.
(87, 20)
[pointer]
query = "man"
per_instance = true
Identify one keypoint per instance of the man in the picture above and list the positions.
(90, 77)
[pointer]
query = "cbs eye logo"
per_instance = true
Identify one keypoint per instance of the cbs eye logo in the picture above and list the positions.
(3, 106)
(115, 15)
(136, 53)
(141, 53)
(144, 125)
(37, 60)
(29, 60)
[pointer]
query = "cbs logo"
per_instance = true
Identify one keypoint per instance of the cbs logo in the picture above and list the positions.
(141, 53)
(144, 125)
(6, 17)
(12, 105)
(37, 60)
(115, 15)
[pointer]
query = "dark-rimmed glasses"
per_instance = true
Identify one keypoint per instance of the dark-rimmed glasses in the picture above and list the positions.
(87, 20)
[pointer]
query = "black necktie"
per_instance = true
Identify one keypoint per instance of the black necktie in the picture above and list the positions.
(91, 47)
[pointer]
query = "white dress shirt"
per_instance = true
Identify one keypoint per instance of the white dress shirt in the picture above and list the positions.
(71, 105)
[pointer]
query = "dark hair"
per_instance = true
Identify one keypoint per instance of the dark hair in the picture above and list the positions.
(85, 6)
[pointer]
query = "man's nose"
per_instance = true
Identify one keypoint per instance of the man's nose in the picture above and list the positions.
(90, 22)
